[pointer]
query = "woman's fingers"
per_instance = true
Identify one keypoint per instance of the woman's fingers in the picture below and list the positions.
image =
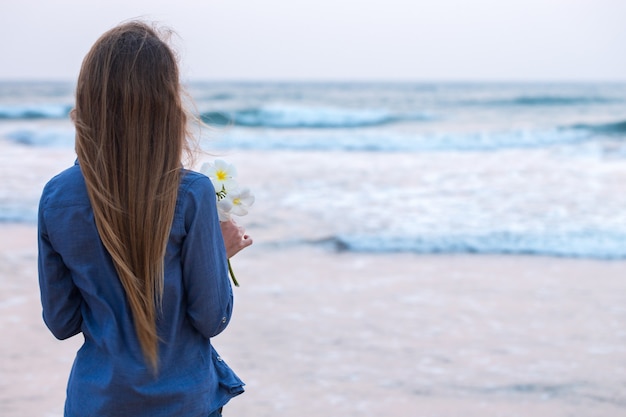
(235, 237)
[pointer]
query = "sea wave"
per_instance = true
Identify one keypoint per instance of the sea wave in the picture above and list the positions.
(370, 141)
(559, 100)
(404, 142)
(62, 138)
(18, 212)
(309, 117)
(611, 128)
(577, 244)
(545, 101)
(35, 111)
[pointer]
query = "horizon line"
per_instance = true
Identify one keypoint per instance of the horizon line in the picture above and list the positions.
(389, 80)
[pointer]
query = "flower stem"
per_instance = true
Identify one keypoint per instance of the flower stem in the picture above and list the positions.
(232, 274)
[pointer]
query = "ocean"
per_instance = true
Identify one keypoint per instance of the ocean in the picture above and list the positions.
(498, 168)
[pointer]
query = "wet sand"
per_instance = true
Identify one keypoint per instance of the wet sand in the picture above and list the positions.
(318, 332)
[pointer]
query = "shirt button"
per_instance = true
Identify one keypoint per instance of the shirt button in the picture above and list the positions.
(219, 358)
(223, 319)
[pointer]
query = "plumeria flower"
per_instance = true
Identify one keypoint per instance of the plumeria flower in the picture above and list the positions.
(222, 175)
(224, 207)
(241, 200)
(230, 199)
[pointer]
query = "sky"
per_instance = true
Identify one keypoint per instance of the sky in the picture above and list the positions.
(392, 40)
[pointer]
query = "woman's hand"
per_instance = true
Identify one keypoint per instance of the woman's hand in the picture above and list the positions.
(235, 238)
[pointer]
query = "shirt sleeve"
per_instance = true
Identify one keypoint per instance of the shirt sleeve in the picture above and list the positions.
(60, 298)
(205, 269)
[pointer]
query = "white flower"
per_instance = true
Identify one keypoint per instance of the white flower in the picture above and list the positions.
(222, 175)
(224, 207)
(241, 200)
(230, 199)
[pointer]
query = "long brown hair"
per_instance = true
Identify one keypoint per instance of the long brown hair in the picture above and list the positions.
(131, 134)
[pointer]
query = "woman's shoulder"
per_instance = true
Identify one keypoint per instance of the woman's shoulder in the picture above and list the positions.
(67, 187)
(68, 175)
(195, 182)
(195, 194)
(195, 190)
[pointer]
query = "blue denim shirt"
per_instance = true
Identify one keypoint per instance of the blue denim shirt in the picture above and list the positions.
(81, 293)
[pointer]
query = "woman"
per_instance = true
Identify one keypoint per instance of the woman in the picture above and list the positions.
(131, 252)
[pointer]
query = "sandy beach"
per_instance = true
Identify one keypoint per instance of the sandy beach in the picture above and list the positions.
(318, 332)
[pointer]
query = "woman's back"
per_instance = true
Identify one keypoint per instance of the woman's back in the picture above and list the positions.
(81, 293)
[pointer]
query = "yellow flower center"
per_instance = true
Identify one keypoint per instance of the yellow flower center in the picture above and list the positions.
(221, 175)
(236, 201)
